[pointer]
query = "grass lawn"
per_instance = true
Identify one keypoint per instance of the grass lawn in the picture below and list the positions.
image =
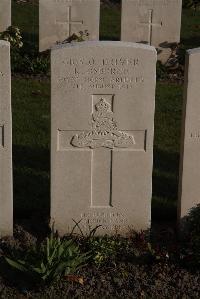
(31, 124)
(31, 137)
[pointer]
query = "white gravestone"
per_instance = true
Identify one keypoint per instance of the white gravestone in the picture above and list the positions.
(103, 96)
(59, 19)
(6, 196)
(5, 14)
(189, 183)
(154, 22)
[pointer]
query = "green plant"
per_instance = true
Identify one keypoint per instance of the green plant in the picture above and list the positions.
(13, 35)
(31, 65)
(51, 260)
(102, 249)
(190, 249)
(87, 235)
(191, 4)
(161, 71)
(106, 249)
(24, 60)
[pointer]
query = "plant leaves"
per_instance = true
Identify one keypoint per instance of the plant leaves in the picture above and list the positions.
(19, 265)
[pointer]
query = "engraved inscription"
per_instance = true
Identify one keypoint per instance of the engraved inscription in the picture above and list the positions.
(104, 131)
(195, 135)
(100, 73)
(113, 221)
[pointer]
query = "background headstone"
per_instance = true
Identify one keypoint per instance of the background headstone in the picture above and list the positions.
(59, 19)
(155, 22)
(5, 14)
(189, 184)
(103, 96)
(6, 196)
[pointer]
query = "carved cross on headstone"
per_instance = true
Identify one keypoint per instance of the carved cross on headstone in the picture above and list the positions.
(69, 22)
(103, 139)
(150, 25)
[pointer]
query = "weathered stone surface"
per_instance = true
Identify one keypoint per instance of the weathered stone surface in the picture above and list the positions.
(189, 185)
(5, 14)
(6, 196)
(155, 22)
(59, 19)
(103, 96)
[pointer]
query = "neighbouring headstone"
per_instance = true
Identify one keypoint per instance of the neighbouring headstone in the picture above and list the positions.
(6, 196)
(5, 14)
(189, 185)
(59, 19)
(103, 96)
(154, 22)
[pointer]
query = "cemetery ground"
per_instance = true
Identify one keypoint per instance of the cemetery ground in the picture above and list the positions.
(138, 267)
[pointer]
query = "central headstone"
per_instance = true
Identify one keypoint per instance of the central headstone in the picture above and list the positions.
(6, 196)
(5, 14)
(103, 96)
(59, 19)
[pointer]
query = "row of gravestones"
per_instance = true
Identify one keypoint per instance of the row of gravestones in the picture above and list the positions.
(102, 127)
(155, 22)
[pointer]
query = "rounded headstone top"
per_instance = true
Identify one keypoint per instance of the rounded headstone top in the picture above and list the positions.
(193, 51)
(103, 44)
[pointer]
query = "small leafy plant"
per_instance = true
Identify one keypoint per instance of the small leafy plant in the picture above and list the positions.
(13, 35)
(51, 260)
(81, 36)
(192, 255)
(104, 249)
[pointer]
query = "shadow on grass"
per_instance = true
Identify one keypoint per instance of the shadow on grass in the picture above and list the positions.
(31, 187)
(18, 283)
(109, 38)
(191, 42)
(165, 185)
(30, 43)
(110, 20)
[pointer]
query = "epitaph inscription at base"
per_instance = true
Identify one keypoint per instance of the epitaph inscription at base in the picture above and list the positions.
(102, 136)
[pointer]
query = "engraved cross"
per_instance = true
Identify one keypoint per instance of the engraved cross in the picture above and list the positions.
(150, 25)
(103, 138)
(69, 22)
